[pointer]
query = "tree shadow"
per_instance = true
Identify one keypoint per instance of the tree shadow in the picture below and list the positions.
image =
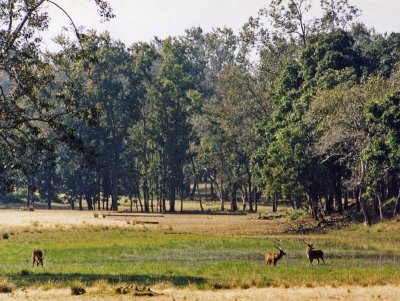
(139, 279)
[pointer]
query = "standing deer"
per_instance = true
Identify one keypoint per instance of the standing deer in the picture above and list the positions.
(313, 254)
(37, 256)
(273, 257)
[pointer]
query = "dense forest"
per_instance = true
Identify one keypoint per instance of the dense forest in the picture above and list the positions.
(294, 108)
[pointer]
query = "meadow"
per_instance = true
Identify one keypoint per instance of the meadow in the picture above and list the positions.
(189, 251)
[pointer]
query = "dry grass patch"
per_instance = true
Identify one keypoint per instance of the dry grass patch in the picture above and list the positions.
(6, 286)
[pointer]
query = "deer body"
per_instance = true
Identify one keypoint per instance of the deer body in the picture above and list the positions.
(273, 257)
(37, 256)
(314, 254)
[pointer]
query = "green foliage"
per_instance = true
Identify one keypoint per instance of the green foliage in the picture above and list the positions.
(297, 214)
(303, 110)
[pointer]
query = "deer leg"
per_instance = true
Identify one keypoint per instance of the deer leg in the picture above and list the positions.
(323, 260)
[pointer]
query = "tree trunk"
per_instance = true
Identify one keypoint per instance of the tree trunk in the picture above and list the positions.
(222, 196)
(245, 197)
(89, 201)
(363, 200)
(338, 192)
(200, 201)
(257, 195)
(393, 183)
(114, 196)
(380, 205)
(357, 198)
(140, 202)
(49, 186)
(397, 205)
(152, 201)
(172, 198)
(233, 200)
(80, 202)
(346, 200)
(275, 203)
(164, 207)
(250, 195)
(98, 190)
(146, 196)
(329, 203)
(365, 210)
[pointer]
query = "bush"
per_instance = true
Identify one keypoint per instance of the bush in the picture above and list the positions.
(77, 289)
(12, 199)
(296, 214)
(5, 236)
(24, 272)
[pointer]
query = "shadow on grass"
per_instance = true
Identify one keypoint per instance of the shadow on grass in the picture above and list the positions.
(146, 280)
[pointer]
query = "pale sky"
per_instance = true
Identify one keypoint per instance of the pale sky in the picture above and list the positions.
(141, 20)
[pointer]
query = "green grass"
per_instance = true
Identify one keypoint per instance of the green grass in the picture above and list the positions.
(86, 255)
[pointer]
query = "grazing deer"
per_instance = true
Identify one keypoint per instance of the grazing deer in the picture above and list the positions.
(273, 257)
(37, 256)
(313, 254)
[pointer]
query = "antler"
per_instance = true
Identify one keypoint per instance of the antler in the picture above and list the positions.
(277, 246)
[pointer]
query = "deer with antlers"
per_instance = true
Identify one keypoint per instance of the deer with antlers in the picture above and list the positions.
(273, 257)
(313, 254)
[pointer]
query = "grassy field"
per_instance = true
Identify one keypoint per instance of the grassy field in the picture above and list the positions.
(162, 254)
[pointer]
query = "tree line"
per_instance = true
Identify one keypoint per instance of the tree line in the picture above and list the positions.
(295, 107)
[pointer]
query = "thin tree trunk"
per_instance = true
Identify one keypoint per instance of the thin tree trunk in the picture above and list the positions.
(245, 198)
(80, 202)
(200, 201)
(363, 201)
(233, 200)
(275, 203)
(346, 200)
(397, 205)
(365, 210)
(338, 192)
(380, 204)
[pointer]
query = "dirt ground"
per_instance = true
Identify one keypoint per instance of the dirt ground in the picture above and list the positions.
(246, 225)
(391, 293)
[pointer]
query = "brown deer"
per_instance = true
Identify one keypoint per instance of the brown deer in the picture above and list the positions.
(37, 256)
(273, 257)
(313, 254)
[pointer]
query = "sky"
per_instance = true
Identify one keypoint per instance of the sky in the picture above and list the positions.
(141, 20)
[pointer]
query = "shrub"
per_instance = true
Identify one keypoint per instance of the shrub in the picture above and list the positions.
(24, 272)
(12, 199)
(5, 236)
(296, 214)
(77, 289)
(96, 215)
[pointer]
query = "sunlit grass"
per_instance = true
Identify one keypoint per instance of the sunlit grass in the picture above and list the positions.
(89, 255)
